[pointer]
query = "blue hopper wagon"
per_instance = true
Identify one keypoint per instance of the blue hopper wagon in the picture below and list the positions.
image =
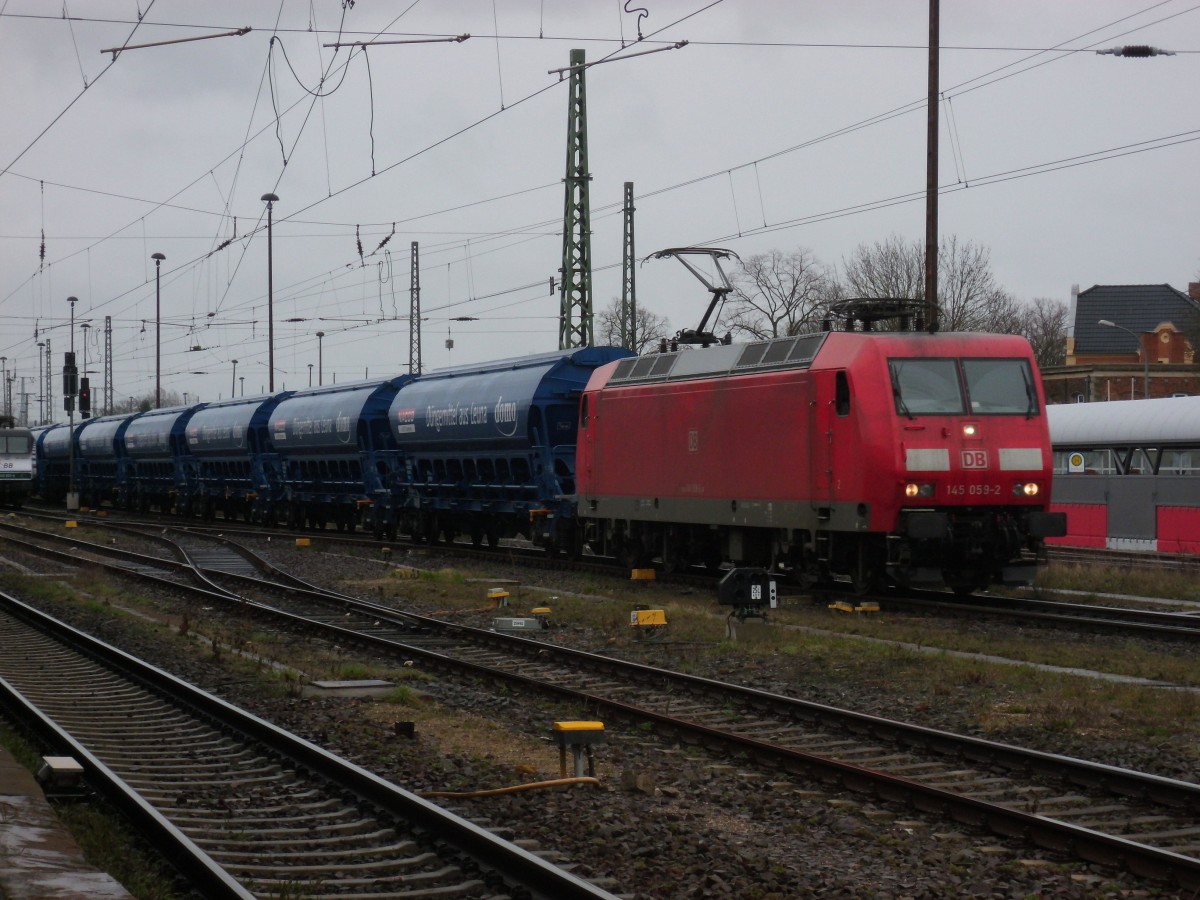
(238, 470)
(338, 459)
(489, 450)
(158, 469)
(100, 462)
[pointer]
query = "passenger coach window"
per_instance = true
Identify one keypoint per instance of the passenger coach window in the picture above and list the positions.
(926, 387)
(1000, 386)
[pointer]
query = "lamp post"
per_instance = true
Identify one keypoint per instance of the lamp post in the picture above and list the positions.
(320, 358)
(1141, 352)
(270, 200)
(310, 374)
(4, 382)
(158, 259)
(233, 385)
(242, 378)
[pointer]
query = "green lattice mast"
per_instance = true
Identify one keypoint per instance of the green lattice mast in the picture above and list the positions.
(575, 297)
(628, 281)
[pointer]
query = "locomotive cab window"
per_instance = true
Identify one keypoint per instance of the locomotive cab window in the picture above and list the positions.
(16, 443)
(936, 387)
(926, 387)
(1000, 386)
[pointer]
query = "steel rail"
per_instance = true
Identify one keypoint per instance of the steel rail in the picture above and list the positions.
(491, 852)
(1044, 831)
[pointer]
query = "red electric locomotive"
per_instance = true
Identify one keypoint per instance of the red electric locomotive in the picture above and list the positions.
(861, 457)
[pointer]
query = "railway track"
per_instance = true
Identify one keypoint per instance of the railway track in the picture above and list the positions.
(210, 556)
(1104, 814)
(243, 808)
(1174, 562)
(1132, 621)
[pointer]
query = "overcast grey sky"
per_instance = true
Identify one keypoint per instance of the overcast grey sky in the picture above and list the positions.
(781, 124)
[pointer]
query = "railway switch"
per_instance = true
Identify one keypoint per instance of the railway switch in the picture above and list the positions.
(579, 738)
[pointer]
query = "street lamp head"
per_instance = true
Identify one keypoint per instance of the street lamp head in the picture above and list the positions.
(320, 334)
(269, 198)
(158, 258)
(1107, 323)
(72, 300)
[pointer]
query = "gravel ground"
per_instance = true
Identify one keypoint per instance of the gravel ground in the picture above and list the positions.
(666, 821)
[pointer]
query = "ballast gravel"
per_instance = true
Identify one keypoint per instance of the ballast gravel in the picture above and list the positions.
(672, 822)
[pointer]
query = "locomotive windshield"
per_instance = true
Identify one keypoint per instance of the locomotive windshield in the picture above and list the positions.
(16, 443)
(936, 387)
(1000, 386)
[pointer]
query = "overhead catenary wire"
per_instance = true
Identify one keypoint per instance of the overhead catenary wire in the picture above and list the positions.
(728, 173)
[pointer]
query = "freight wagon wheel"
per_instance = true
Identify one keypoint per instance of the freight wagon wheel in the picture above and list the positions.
(431, 528)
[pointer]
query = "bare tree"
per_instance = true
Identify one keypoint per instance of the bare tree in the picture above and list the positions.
(651, 328)
(1044, 325)
(777, 294)
(969, 299)
(888, 268)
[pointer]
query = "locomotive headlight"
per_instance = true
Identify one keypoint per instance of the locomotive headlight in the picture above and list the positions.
(912, 489)
(1029, 489)
(969, 429)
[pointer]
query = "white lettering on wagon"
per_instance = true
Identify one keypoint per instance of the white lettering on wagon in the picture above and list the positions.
(503, 414)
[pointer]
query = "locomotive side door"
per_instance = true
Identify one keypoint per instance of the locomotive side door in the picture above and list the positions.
(834, 468)
(820, 443)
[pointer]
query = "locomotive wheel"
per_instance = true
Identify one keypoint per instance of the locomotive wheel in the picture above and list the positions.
(631, 556)
(675, 556)
(865, 577)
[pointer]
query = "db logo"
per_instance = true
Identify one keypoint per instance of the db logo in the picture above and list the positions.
(974, 459)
